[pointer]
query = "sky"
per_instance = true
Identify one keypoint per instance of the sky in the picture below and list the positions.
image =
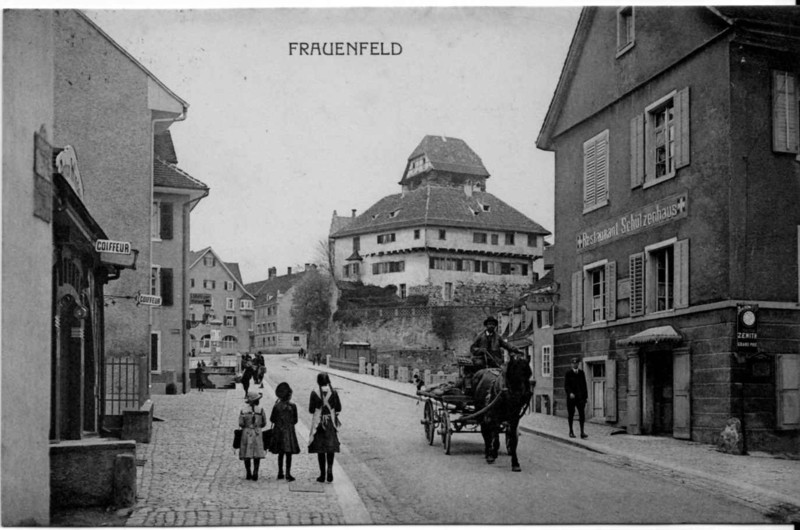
(284, 140)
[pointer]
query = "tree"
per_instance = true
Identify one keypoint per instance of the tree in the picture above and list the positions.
(324, 256)
(311, 305)
(443, 324)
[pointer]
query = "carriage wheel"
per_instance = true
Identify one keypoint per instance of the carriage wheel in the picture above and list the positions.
(447, 433)
(429, 422)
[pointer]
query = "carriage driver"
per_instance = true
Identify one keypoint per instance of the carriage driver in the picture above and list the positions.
(486, 350)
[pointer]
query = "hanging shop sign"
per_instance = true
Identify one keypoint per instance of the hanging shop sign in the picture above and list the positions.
(67, 165)
(747, 328)
(148, 299)
(112, 247)
(200, 298)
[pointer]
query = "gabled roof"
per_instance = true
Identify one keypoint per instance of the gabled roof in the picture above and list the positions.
(441, 206)
(166, 175)
(163, 147)
(338, 222)
(195, 257)
(266, 289)
(448, 154)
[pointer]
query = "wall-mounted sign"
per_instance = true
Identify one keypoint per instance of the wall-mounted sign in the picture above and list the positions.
(539, 301)
(655, 214)
(148, 299)
(200, 298)
(747, 328)
(67, 165)
(112, 247)
(42, 176)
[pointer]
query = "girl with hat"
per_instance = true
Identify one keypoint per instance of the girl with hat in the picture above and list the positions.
(323, 439)
(252, 419)
(284, 437)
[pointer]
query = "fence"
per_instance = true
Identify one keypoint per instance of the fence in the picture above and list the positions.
(125, 384)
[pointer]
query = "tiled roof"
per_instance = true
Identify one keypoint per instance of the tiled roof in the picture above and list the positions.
(163, 147)
(776, 14)
(170, 176)
(234, 268)
(267, 288)
(441, 206)
(338, 222)
(194, 255)
(449, 154)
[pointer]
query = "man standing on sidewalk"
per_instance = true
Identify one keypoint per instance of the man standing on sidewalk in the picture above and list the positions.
(577, 394)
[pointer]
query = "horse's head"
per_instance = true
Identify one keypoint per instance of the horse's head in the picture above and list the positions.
(518, 378)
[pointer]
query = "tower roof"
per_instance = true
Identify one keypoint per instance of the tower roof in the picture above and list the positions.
(444, 153)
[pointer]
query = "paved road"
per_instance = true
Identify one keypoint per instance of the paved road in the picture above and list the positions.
(403, 480)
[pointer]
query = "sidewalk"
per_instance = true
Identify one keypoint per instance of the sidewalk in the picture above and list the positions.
(769, 484)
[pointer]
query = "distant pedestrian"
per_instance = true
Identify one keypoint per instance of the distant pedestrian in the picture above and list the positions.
(284, 438)
(317, 358)
(199, 373)
(247, 376)
(252, 419)
(301, 352)
(260, 370)
(323, 439)
(577, 395)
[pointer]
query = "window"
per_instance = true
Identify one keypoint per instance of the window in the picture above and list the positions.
(229, 304)
(533, 241)
(209, 284)
(155, 351)
(442, 234)
(479, 237)
(388, 266)
(161, 221)
(625, 34)
(230, 321)
(155, 280)
(785, 113)
(416, 233)
(352, 270)
(209, 260)
(155, 221)
(165, 283)
(357, 244)
(509, 238)
(448, 291)
(229, 342)
(659, 277)
(595, 172)
(594, 293)
(386, 238)
(660, 140)
(229, 286)
(402, 290)
(191, 282)
(547, 361)
(394, 213)
(787, 382)
(495, 239)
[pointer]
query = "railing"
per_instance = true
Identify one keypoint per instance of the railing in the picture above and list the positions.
(125, 384)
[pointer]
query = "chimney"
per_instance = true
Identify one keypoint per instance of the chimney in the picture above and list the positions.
(271, 273)
(289, 271)
(307, 266)
(354, 212)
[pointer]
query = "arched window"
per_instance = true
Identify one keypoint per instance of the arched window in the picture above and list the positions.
(205, 343)
(229, 342)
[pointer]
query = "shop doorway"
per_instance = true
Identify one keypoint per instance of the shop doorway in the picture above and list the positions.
(657, 398)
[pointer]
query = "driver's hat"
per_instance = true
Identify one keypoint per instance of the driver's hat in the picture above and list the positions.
(490, 320)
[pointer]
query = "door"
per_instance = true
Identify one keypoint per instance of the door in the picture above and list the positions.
(681, 372)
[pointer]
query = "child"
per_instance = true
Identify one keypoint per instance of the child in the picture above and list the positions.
(284, 438)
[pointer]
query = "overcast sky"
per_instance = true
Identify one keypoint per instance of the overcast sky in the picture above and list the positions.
(284, 140)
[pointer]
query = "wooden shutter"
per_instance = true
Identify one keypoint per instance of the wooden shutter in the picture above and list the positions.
(636, 275)
(681, 402)
(649, 148)
(611, 290)
(610, 397)
(577, 299)
(637, 151)
(681, 256)
(682, 146)
(787, 382)
(166, 220)
(589, 173)
(601, 178)
(784, 112)
(166, 286)
(634, 413)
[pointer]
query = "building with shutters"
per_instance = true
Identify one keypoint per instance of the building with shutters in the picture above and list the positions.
(175, 194)
(681, 124)
(441, 232)
(273, 328)
(220, 314)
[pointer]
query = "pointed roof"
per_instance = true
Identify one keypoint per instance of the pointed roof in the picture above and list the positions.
(233, 272)
(338, 222)
(445, 153)
(441, 206)
(264, 290)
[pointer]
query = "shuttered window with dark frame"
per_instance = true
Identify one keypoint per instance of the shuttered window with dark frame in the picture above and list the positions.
(166, 287)
(165, 231)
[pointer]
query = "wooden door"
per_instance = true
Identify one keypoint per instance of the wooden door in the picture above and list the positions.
(681, 402)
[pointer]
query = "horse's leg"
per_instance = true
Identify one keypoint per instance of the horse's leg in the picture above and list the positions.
(495, 440)
(513, 440)
(486, 432)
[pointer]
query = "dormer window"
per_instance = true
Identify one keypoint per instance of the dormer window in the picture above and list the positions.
(418, 165)
(625, 29)
(484, 207)
(394, 213)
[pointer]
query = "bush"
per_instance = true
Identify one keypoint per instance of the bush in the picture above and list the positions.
(172, 389)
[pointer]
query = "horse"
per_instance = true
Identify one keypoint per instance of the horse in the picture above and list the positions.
(506, 393)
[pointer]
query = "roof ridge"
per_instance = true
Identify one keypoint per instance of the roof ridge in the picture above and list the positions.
(182, 172)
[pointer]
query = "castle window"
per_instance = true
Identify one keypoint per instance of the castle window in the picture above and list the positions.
(479, 237)
(625, 29)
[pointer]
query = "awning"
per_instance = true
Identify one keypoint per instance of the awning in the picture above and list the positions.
(652, 336)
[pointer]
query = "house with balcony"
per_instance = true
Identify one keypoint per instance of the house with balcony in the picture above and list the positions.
(175, 195)
(675, 133)
(273, 328)
(442, 234)
(220, 314)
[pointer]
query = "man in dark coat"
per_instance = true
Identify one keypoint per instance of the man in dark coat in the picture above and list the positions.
(486, 349)
(577, 394)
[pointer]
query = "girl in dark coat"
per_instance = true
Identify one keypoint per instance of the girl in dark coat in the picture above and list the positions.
(284, 438)
(247, 376)
(323, 439)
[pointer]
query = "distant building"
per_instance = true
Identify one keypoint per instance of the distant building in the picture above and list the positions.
(175, 194)
(274, 330)
(443, 229)
(675, 132)
(220, 307)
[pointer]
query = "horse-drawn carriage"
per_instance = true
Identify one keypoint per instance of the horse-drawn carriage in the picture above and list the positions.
(489, 401)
